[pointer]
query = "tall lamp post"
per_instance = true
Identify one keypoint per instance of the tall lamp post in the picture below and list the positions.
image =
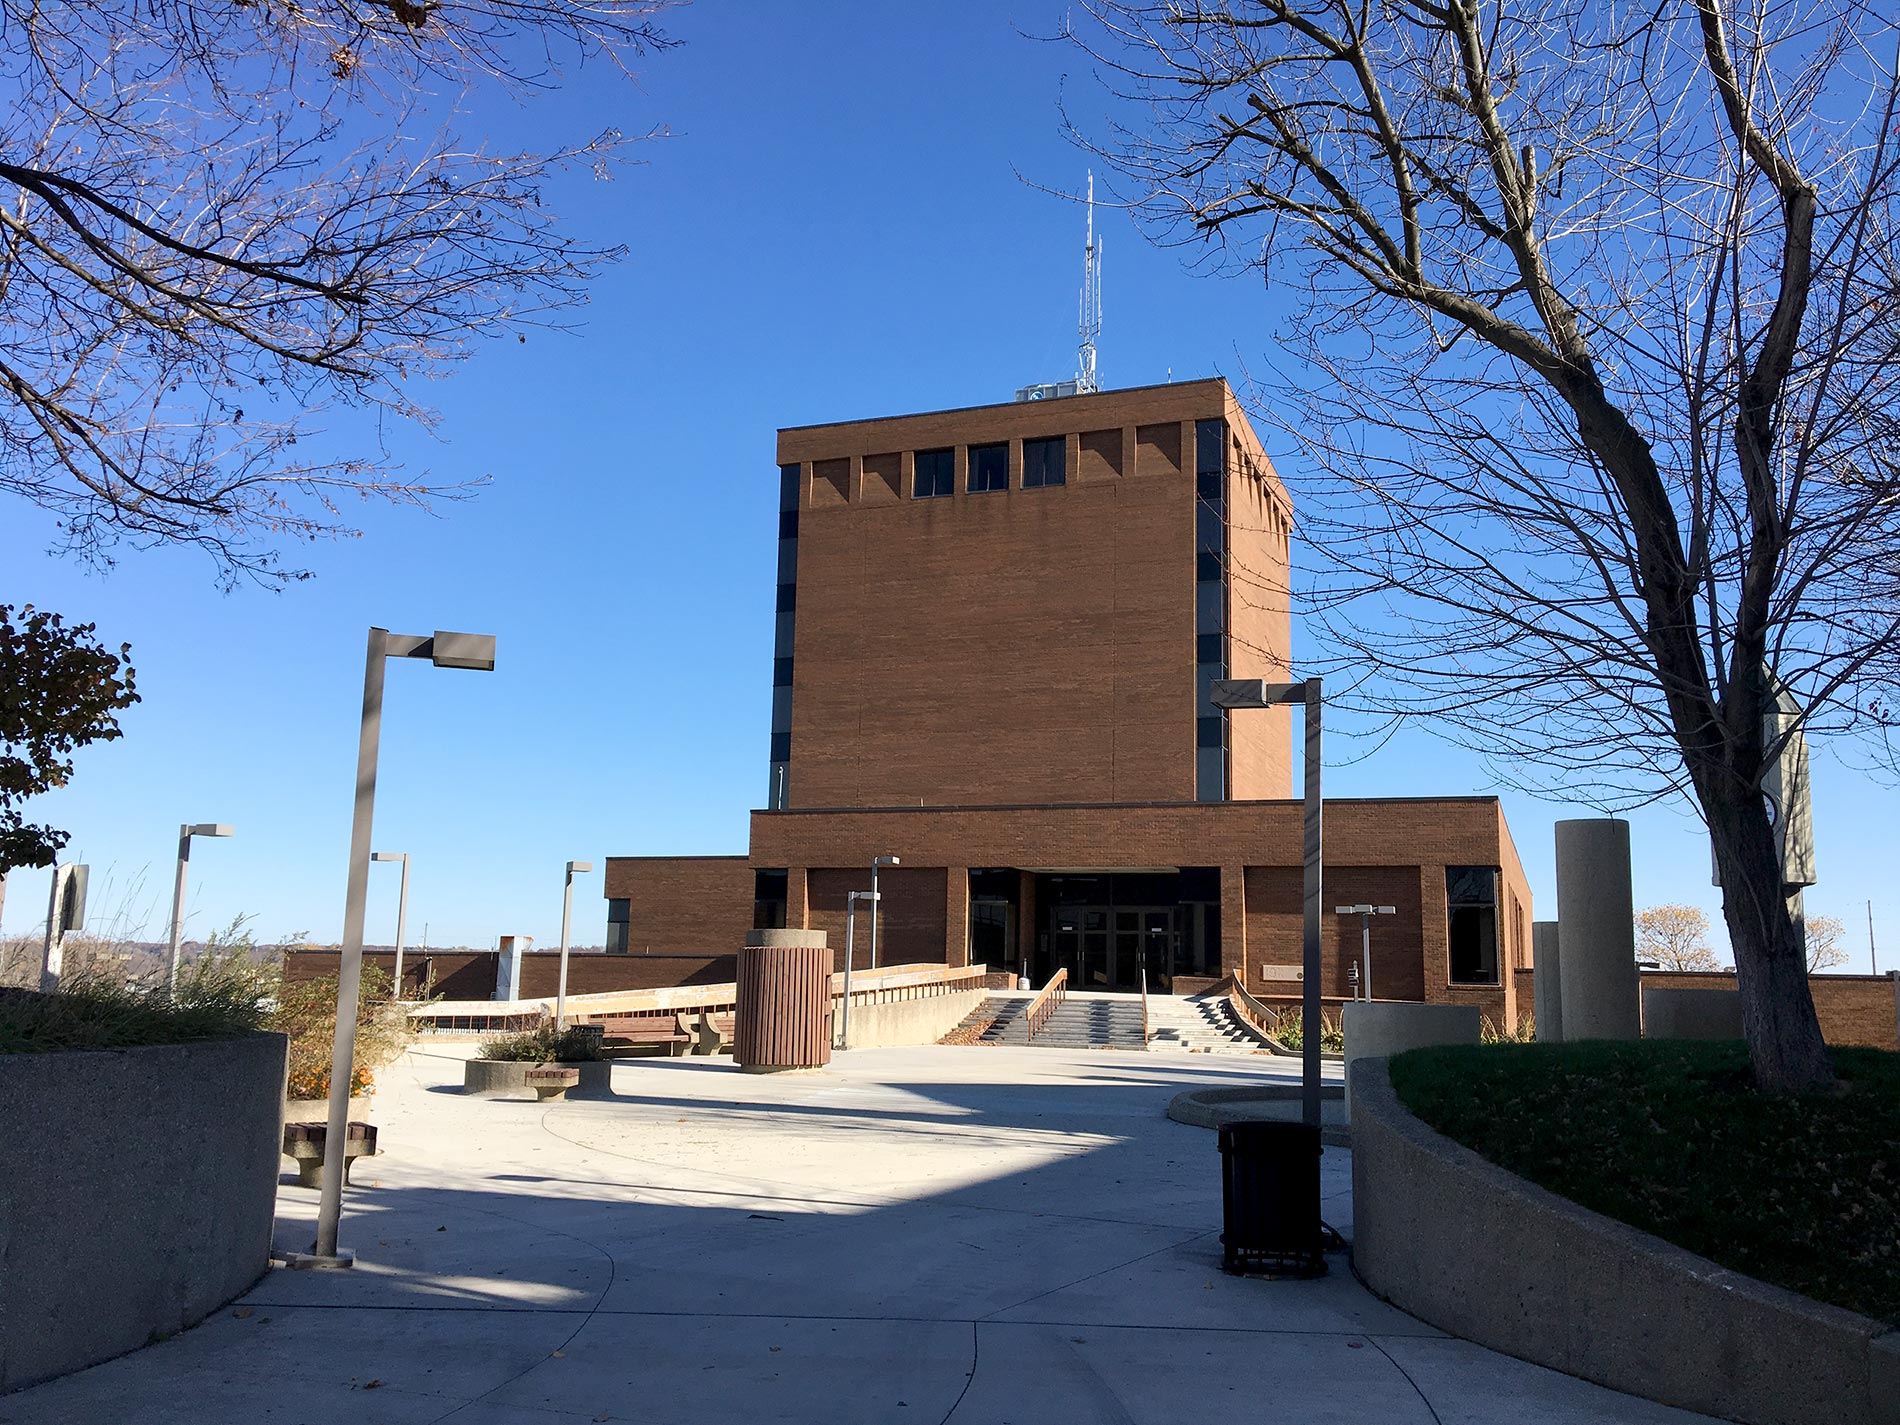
(574, 868)
(1244, 693)
(850, 932)
(185, 833)
(445, 650)
(877, 861)
(402, 909)
(1365, 914)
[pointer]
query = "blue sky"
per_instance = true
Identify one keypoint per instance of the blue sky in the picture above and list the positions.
(846, 221)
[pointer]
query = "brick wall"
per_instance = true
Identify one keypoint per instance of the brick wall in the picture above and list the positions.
(470, 974)
(697, 905)
(911, 926)
(1019, 645)
(1853, 1009)
(1259, 526)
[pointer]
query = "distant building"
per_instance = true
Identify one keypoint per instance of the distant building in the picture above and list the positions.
(996, 632)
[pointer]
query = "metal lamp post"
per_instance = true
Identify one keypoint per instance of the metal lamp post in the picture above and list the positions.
(185, 833)
(877, 861)
(1365, 914)
(445, 650)
(1242, 693)
(402, 908)
(574, 868)
(850, 931)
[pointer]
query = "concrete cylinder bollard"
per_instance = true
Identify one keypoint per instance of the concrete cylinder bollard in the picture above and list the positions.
(1599, 989)
(782, 1014)
(1547, 981)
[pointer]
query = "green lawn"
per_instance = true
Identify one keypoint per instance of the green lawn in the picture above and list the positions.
(1671, 1138)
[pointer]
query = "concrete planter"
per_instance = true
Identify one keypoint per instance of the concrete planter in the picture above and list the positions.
(137, 1191)
(508, 1078)
(1378, 1029)
(1482, 1253)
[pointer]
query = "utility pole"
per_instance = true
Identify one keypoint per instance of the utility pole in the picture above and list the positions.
(1872, 958)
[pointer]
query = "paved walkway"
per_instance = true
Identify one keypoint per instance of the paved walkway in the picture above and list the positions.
(980, 1236)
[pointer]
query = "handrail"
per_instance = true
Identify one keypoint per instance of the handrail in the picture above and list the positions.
(1262, 1017)
(1144, 1005)
(1044, 1004)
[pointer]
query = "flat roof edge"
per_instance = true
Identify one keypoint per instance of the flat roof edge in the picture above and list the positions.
(1464, 800)
(1220, 381)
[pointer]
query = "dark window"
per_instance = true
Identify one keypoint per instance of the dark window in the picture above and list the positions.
(1210, 775)
(1207, 567)
(933, 474)
(788, 487)
(788, 524)
(616, 939)
(1207, 731)
(781, 672)
(787, 561)
(1210, 528)
(989, 468)
(787, 598)
(1208, 487)
(1210, 606)
(781, 709)
(768, 900)
(1043, 462)
(619, 910)
(1471, 902)
(781, 747)
(1210, 648)
(1210, 448)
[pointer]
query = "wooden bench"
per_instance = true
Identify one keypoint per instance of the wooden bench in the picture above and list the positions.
(552, 1081)
(711, 1033)
(303, 1142)
(646, 1031)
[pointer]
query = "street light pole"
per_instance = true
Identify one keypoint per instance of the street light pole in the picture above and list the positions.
(574, 868)
(1365, 914)
(1244, 693)
(877, 861)
(185, 833)
(445, 650)
(402, 909)
(850, 931)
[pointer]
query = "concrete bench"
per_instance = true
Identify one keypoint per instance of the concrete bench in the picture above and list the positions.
(646, 1031)
(304, 1142)
(711, 1033)
(552, 1081)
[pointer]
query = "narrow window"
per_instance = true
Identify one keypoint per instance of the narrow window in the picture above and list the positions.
(1471, 908)
(1043, 462)
(933, 474)
(989, 468)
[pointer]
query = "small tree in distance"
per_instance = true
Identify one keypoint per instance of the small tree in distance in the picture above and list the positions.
(1675, 937)
(1825, 951)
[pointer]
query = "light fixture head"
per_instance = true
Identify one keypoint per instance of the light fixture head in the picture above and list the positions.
(389, 855)
(1352, 910)
(463, 650)
(579, 868)
(885, 861)
(210, 828)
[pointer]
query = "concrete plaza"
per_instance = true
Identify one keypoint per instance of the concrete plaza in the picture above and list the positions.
(978, 1235)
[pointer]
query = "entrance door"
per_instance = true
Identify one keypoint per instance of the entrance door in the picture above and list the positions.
(1106, 948)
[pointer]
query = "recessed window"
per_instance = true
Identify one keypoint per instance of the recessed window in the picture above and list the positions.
(788, 524)
(781, 672)
(1471, 908)
(989, 468)
(1043, 462)
(934, 474)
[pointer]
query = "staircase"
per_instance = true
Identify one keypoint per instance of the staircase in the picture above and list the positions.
(1204, 1024)
(1101, 1021)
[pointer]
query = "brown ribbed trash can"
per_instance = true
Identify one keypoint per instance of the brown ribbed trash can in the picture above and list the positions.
(782, 1019)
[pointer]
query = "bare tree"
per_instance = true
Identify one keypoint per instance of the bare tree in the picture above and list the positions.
(1675, 937)
(1592, 365)
(1825, 951)
(216, 217)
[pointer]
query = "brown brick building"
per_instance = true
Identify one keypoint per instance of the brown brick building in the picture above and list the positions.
(996, 631)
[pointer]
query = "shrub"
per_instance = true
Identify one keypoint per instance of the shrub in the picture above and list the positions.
(1291, 1033)
(218, 1001)
(544, 1044)
(306, 1012)
(1524, 1033)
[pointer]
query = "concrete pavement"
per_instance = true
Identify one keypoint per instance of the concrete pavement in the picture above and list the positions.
(974, 1235)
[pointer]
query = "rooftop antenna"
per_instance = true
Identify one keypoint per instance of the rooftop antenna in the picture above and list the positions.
(1090, 326)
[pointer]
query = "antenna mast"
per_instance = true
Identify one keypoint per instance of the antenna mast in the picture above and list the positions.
(1090, 326)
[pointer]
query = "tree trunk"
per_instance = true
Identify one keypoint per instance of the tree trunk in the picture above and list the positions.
(1784, 1035)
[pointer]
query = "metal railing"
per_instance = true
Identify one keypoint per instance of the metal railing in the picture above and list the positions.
(1145, 1031)
(1045, 1004)
(1262, 1017)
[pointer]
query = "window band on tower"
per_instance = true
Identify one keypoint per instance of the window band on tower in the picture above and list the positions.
(782, 637)
(1211, 732)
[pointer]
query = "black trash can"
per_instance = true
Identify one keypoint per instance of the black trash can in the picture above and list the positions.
(1270, 1223)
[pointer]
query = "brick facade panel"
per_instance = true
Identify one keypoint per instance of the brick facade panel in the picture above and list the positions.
(695, 905)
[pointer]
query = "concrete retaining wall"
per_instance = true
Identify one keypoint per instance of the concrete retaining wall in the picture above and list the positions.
(1692, 1014)
(137, 1191)
(1583, 1294)
(914, 1021)
(1378, 1029)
